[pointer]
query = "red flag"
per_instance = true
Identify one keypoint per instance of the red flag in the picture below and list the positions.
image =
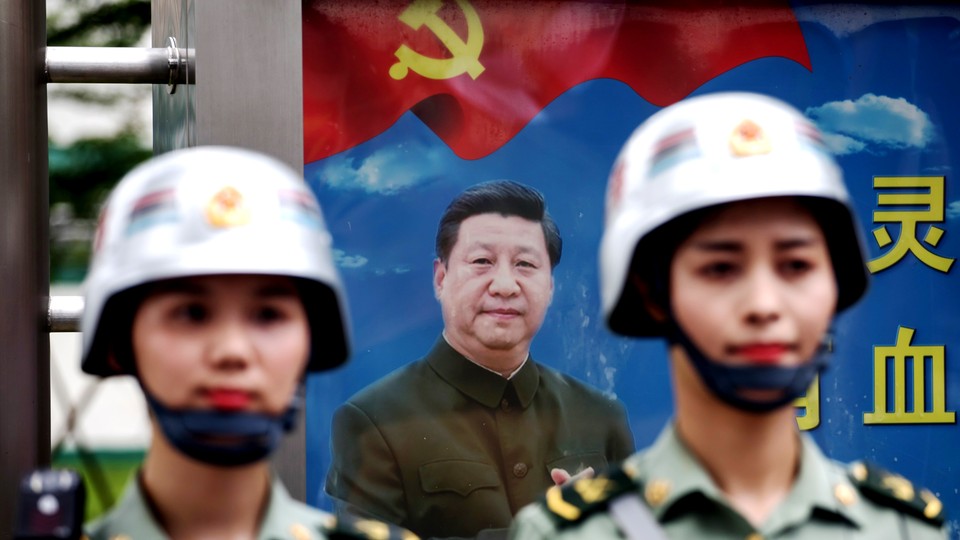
(476, 71)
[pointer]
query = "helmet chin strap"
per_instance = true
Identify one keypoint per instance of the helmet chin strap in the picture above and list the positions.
(224, 439)
(732, 383)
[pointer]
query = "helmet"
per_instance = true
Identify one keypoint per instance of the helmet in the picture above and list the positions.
(707, 151)
(204, 211)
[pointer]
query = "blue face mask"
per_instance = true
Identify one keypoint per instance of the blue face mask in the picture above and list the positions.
(226, 439)
(729, 382)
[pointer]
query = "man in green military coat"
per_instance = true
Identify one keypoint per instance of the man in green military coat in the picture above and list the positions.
(213, 284)
(454, 444)
(729, 232)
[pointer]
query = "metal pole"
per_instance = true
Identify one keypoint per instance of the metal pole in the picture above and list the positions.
(24, 259)
(64, 312)
(122, 65)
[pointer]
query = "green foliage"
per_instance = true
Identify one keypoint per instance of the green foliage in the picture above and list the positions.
(82, 173)
(119, 23)
(69, 261)
(105, 475)
(85, 171)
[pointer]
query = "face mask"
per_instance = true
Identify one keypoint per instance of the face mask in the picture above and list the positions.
(226, 439)
(727, 382)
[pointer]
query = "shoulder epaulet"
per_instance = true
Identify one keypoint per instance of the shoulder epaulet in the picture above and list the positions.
(347, 526)
(892, 490)
(573, 502)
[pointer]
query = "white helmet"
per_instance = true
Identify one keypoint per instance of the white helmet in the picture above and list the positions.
(711, 150)
(204, 211)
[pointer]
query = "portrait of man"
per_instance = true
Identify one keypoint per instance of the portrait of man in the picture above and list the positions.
(455, 443)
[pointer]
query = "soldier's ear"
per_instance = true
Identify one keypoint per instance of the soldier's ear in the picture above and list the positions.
(656, 311)
(113, 363)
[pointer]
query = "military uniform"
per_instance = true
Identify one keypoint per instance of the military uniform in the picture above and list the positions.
(447, 448)
(827, 501)
(285, 519)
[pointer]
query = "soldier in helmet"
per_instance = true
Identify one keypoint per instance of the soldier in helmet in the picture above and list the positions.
(730, 234)
(212, 283)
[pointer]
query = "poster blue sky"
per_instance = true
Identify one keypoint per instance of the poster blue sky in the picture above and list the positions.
(882, 86)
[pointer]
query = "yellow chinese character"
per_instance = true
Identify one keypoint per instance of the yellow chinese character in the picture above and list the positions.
(810, 403)
(917, 191)
(919, 355)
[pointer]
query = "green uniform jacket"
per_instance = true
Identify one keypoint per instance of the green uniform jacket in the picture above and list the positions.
(828, 501)
(285, 519)
(446, 448)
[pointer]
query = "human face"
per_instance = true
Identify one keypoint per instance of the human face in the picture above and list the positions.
(232, 343)
(754, 284)
(495, 288)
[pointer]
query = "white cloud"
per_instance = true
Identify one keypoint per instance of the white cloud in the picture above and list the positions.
(872, 123)
(387, 171)
(953, 210)
(845, 19)
(341, 259)
(841, 144)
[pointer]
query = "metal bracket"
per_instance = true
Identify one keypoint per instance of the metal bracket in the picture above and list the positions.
(173, 60)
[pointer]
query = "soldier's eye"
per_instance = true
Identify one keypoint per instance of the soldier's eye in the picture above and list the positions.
(794, 267)
(268, 314)
(191, 312)
(718, 270)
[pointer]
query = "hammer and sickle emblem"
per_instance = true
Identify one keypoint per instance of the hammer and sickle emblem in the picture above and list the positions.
(465, 54)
